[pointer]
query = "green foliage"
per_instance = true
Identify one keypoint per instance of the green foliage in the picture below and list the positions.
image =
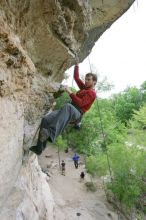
(90, 186)
(128, 168)
(126, 102)
(127, 155)
(85, 139)
(139, 118)
(103, 85)
(143, 91)
(97, 165)
(113, 129)
(137, 127)
(62, 143)
(89, 139)
(60, 101)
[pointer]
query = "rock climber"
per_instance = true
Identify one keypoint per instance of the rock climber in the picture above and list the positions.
(54, 123)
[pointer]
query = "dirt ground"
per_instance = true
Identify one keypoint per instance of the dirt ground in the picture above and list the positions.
(73, 200)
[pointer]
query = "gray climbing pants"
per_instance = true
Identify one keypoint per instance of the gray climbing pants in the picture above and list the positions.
(54, 123)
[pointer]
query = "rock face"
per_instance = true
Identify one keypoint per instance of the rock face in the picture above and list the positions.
(31, 197)
(38, 42)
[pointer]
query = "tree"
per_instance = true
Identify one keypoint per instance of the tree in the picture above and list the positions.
(128, 168)
(103, 128)
(143, 91)
(96, 165)
(61, 100)
(61, 145)
(103, 85)
(126, 102)
(137, 127)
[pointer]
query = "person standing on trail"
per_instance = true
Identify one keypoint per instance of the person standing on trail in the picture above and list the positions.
(82, 175)
(63, 168)
(66, 150)
(76, 160)
(54, 123)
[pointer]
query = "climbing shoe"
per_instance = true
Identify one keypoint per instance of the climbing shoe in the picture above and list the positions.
(35, 150)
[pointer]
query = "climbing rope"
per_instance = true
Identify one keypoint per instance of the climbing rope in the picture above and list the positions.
(102, 130)
(89, 64)
(105, 146)
(101, 126)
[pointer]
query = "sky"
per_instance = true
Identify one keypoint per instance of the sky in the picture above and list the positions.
(120, 53)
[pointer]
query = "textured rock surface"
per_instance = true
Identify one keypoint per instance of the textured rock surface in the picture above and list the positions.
(53, 30)
(38, 41)
(31, 197)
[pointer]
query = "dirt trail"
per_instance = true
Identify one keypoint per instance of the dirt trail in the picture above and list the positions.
(70, 193)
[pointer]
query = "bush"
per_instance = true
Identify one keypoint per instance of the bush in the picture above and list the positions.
(90, 186)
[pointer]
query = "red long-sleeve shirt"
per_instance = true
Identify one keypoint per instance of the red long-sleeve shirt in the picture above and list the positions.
(85, 97)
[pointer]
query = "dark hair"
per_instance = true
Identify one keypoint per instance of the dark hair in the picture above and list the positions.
(94, 76)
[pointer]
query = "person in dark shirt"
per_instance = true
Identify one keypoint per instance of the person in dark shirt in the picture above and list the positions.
(54, 123)
(63, 167)
(82, 175)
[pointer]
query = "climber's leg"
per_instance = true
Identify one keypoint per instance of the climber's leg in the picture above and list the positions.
(43, 133)
(65, 115)
(54, 123)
